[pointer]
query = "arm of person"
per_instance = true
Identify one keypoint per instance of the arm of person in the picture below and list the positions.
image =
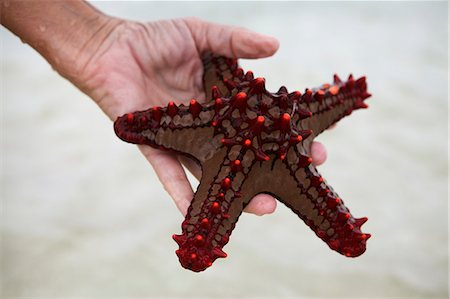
(65, 33)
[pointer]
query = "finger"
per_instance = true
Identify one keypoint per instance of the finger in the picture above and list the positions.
(231, 41)
(172, 176)
(261, 204)
(318, 153)
(192, 166)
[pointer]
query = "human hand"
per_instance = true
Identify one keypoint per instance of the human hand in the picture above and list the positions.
(142, 65)
(127, 66)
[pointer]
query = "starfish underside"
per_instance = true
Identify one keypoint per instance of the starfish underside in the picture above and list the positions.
(250, 141)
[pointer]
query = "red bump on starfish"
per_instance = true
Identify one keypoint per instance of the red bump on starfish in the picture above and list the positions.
(180, 239)
(204, 223)
(295, 139)
(282, 153)
(157, 113)
(240, 149)
(333, 202)
(240, 101)
(307, 96)
(130, 118)
(228, 142)
(359, 104)
(239, 72)
(333, 90)
(316, 180)
(305, 133)
(258, 124)
(334, 244)
(365, 95)
(361, 82)
(342, 216)
(360, 221)
(350, 82)
(296, 95)
(285, 122)
(172, 109)
(319, 95)
(260, 155)
(248, 76)
(258, 85)
(218, 103)
(236, 166)
(323, 192)
(303, 113)
(362, 236)
(195, 108)
(218, 253)
(282, 90)
(336, 79)
(321, 234)
(304, 161)
(349, 227)
(199, 240)
(215, 207)
(226, 183)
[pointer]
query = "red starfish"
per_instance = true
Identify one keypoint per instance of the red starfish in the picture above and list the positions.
(251, 141)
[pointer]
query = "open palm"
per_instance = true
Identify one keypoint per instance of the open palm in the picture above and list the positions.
(140, 65)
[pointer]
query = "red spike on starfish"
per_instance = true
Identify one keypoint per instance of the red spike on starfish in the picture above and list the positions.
(258, 85)
(240, 101)
(172, 109)
(195, 108)
(336, 79)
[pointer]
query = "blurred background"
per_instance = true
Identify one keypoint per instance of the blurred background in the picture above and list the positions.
(85, 216)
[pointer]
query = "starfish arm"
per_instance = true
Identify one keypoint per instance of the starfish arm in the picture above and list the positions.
(319, 206)
(169, 127)
(184, 129)
(222, 75)
(330, 103)
(215, 209)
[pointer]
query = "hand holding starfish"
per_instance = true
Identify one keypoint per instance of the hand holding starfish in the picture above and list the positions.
(126, 66)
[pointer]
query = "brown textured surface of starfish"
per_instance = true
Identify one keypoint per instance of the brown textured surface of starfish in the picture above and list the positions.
(250, 141)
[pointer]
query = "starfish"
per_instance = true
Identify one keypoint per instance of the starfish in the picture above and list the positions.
(250, 141)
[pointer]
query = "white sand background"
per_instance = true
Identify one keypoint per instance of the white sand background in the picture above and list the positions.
(84, 216)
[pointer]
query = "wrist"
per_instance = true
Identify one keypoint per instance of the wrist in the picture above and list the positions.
(75, 52)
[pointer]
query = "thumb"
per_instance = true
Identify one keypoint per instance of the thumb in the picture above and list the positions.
(230, 41)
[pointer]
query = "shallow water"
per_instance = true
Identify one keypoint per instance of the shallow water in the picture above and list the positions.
(85, 216)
